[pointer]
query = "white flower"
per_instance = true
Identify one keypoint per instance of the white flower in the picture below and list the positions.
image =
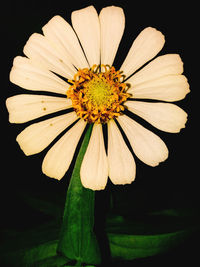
(98, 93)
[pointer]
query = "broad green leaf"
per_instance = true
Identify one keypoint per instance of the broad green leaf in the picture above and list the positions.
(30, 246)
(129, 247)
(127, 240)
(122, 246)
(77, 240)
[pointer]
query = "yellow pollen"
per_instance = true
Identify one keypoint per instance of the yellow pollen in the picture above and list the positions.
(98, 93)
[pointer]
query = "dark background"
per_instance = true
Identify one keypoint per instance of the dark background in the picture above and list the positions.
(173, 184)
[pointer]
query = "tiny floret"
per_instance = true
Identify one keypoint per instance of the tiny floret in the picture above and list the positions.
(98, 93)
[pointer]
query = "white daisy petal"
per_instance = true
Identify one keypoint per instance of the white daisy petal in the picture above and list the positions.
(59, 157)
(112, 23)
(28, 76)
(60, 32)
(167, 88)
(164, 116)
(121, 163)
(170, 64)
(147, 146)
(24, 107)
(44, 54)
(146, 46)
(86, 24)
(94, 168)
(38, 136)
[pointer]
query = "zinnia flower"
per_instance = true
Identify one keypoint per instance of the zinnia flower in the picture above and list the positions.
(98, 94)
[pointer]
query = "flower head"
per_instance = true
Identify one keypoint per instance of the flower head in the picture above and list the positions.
(98, 94)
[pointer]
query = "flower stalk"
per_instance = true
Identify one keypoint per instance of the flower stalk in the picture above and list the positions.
(77, 239)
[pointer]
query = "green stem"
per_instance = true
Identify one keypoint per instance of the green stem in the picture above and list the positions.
(77, 240)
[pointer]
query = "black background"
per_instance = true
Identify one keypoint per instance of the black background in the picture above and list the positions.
(173, 183)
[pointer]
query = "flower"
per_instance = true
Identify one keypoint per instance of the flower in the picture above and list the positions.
(98, 94)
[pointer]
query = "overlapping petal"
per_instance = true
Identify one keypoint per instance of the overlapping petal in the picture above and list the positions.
(61, 34)
(59, 157)
(169, 64)
(121, 163)
(29, 76)
(46, 55)
(166, 88)
(112, 23)
(147, 146)
(24, 107)
(146, 46)
(164, 116)
(38, 136)
(86, 24)
(94, 168)
(161, 79)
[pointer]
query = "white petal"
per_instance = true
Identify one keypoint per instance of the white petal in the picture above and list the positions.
(23, 108)
(61, 34)
(121, 163)
(45, 55)
(25, 74)
(164, 116)
(167, 88)
(170, 64)
(146, 46)
(112, 22)
(59, 157)
(147, 146)
(38, 136)
(86, 24)
(94, 168)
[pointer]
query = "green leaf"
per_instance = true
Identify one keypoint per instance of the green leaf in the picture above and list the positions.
(151, 234)
(31, 247)
(77, 240)
(128, 239)
(129, 247)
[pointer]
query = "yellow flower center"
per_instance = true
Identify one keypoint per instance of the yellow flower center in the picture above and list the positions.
(98, 93)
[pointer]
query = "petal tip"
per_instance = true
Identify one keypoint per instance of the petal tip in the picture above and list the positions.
(124, 182)
(50, 172)
(153, 31)
(93, 187)
(90, 8)
(164, 158)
